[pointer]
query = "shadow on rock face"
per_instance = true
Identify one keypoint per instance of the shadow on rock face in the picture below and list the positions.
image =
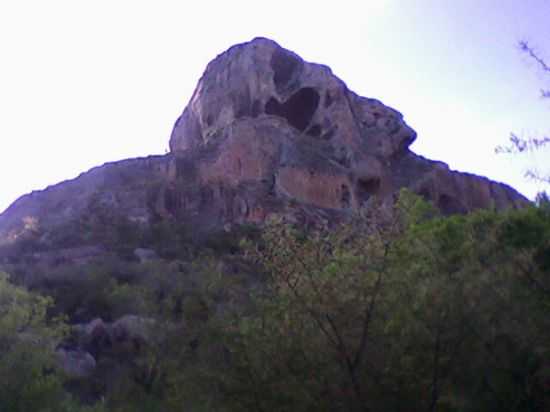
(286, 66)
(367, 187)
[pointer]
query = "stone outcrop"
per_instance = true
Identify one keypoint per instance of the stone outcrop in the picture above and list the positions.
(262, 117)
(264, 133)
(123, 188)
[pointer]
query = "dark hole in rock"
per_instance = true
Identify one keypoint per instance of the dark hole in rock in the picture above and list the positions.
(346, 197)
(298, 110)
(367, 187)
(450, 205)
(328, 99)
(314, 131)
(284, 64)
(209, 120)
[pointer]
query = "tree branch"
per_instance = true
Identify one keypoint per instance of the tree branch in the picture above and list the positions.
(526, 48)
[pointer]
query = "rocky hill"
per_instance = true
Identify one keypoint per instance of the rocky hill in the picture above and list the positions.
(154, 284)
(264, 133)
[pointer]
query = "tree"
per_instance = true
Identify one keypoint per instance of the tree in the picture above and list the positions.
(411, 311)
(479, 288)
(30, 380)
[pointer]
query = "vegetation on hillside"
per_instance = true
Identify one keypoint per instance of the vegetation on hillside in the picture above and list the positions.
(399, 310)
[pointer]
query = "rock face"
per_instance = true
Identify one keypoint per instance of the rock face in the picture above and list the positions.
(264, 132)
(262, 117)
(125, 188)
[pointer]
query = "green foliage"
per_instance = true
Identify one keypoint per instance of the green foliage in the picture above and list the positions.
(169, 239)
(401, 309)
(408, 312)
(29, 381)
(106, 289)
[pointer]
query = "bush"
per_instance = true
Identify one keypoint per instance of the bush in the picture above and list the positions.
(30, 381)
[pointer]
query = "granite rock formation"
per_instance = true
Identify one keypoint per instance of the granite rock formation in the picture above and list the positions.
(264, 133)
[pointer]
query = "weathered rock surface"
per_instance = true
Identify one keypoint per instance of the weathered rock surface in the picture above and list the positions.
(264, 132)
(125, 188)
(262, 117)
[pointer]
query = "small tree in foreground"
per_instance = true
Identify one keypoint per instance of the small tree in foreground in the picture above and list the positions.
(29, 377)
(415, 312)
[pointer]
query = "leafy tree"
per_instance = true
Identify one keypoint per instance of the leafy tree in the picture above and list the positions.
(26, 350)
(313, 338)
(483, 305)
(398, 311)
(30, 380)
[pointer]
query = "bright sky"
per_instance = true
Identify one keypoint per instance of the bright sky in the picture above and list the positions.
(85, 82)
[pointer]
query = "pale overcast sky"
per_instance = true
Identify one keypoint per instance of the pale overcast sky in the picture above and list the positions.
(86, 82)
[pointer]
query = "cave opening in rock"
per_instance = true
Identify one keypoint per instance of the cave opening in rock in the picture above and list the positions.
(298, 110)
(367, 187)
